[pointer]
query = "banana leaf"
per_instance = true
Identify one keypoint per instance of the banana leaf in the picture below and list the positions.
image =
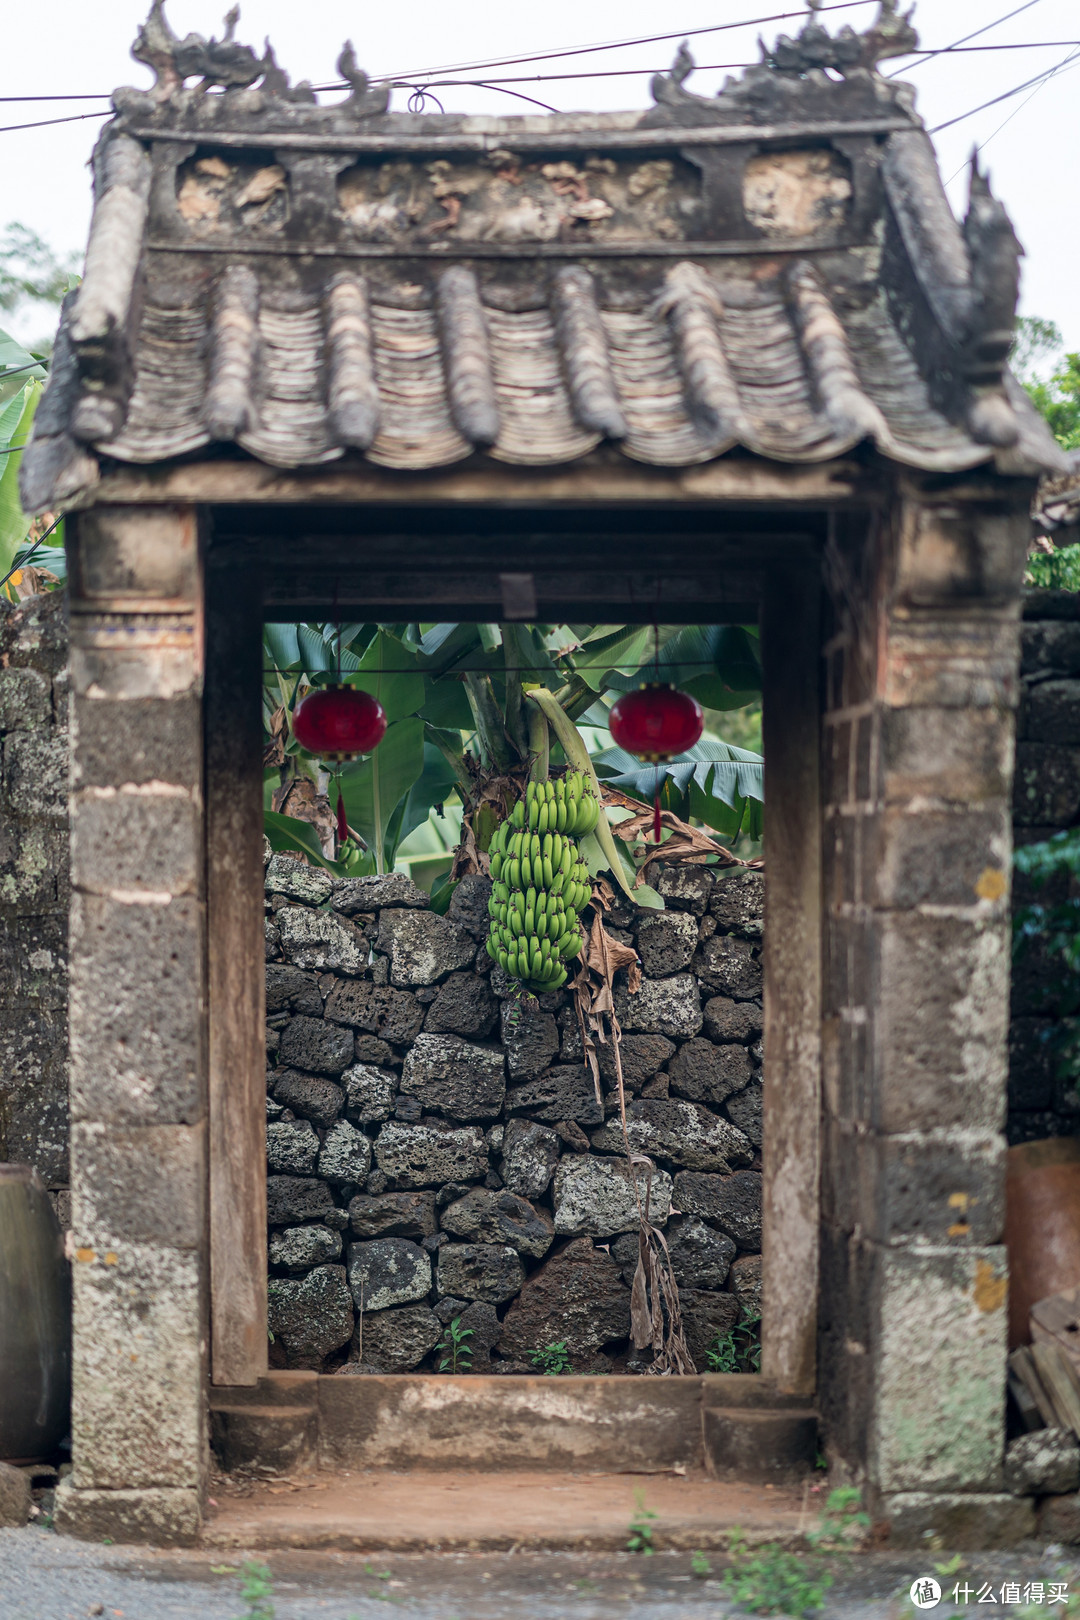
(718, 664)
(16, 418)
(289, 833)
(721, 785)
(374, 788)
(390, 672)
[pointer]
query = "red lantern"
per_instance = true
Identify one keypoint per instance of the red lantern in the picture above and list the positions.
(338, 722)
(656, 723)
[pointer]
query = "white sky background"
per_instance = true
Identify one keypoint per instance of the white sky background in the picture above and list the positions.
(71, 47)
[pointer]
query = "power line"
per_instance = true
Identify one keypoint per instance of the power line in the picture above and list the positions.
(985, 29)
(1044, 81)
(1017, 90)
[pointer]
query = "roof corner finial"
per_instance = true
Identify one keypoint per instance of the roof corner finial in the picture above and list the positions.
(362, 101)
(667, 88)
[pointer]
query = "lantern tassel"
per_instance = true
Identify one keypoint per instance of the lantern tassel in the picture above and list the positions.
(342, 822)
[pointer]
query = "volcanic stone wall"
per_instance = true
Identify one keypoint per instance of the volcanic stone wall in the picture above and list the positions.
(1042, 1101)
(436, 1149)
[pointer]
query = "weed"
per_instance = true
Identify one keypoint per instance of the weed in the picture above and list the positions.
(739, 1349)
(456, 1354)
(842, 1524)
(552, 1359)
(953, 1567)
(768, 1580)
(700, 1566)
(378, 1574)
(641, 1532)
(257, 1590)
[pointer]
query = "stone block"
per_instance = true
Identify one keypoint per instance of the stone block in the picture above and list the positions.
(945, 1066)
(468, 907)
(1046, 787)
(139, 1184)
(666, 942)
(957, 857)
(282, 1438)
(1050, 713)
(393, 1214)
(311, 1315)
(1059, 1519)
(709, 1074)
(685, 888)
(25, 700)
(577, 1295)
(138, 1367)
(463, 1006)
(422, 947)
(320, 940)
(308, 885)
(137, 1037)
(396, 1341)
(392, 1015)
(738, 903)
(454, 1077)
(1050, 648)
(530, 1154)
(968, 1523)
(311, 1095)
(427, 1156)
(296, 1198)
(136, 552)
(15, 1498)
(943, 1190)
(160, 1517)
(1044, 1463)
(136, 841)
(642, 1057)
(939, 1413)
(491, 1272)
(669, 1007)
(565, 1093)
(726, 966)
(700, 1256)
(369, 1093)
(730, 1202)
(316, 1045)
(683, 1134)
(346, 1154)
(353, 896)
(117, 741)
(36, 774)
(290, 989)
(706, 1317)
(727, 1020)
(959, 756)
(501, 1217)
(744, 1280)
(300, 1247)
(760, 1447)
(597, 1196)
(530, 1038)
(388, 1271)
(941, 658)
(746, 1111)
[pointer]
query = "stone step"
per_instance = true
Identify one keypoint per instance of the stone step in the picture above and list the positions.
(285, 1438)
(759, 1446)
(278, 1388)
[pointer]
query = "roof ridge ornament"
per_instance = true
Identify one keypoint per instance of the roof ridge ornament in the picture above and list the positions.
(362, 101)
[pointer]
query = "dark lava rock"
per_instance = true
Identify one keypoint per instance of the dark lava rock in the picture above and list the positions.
(369, 1049)
(487, 1271)
(727, 1020)
(708, 1074)
(393, 1015)
(346, 1154)
(300, 1247)
(464, 1005)
(642, 1058)
(428, 1156)
(291, 1147)
(393, 1214)
(563, 1093)
(578, 1295)
(309, 1095)
(500, 1217)
(481, 1321)
(315, 1045)
(705, 1317)
(422, 946)
(290, 989)
(599, 1196)
(682, 1133)
(747, 1110)
(469, 904)
(728, 967)
(745, 1283)
(369, 1092)
(666, 942)
(530, 1038)
(318, 939)
(685, 888)
(733, 1203)
(311, 1315)
(310, 885)
(570, 1047)
(396, 1341)
(738, 903)
(661, 1007)
(530, 1154)
(700, 1256)
(389, 1271)
(353, 895)
(295, 1198)
(454, 1077)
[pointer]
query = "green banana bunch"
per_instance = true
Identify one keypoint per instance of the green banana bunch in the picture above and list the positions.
(540, 885)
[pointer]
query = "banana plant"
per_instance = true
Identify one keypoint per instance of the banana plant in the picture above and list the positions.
(22, 377)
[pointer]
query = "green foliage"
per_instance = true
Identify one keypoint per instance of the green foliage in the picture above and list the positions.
(768, 1580)
(30, 272)
(552, 1360)
(456, 1352)
(699, 1565)
(257, 1591)
(843, 1525)
(1054, 923)
(1051, 377)
(739, 1349)
(1057, 572)
(21, 386)
(640, 1538)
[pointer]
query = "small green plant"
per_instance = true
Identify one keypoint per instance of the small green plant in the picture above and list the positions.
(640, 1539)
(257, 1591)
(699, 1565)
(768, 1580)
(456, 1353)
(552, 1359)
(843, 1525)
(739, 1349)
(1057, 572)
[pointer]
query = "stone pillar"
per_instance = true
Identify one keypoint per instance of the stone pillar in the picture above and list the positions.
(137, 1028)
(921, 686)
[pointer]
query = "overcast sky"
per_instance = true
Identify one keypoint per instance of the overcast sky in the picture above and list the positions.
(70, 47)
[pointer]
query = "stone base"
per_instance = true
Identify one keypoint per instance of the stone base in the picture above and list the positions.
(1059, 1519)
(14, 1496)
(966, 1523)
(760, 1447)
(159, 1515)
